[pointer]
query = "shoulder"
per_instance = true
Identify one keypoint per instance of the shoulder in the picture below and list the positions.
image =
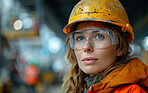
(132, 88)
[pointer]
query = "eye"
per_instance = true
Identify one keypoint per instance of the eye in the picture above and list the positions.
(79, 38)
(99, 37)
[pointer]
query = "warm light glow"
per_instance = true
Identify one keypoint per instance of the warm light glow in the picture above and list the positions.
(18, 25)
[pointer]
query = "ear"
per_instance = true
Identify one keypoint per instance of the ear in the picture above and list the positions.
(120, 52)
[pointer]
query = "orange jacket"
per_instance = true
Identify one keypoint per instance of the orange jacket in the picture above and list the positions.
(124, 79)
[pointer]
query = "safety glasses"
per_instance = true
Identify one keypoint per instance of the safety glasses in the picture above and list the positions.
(98, 38)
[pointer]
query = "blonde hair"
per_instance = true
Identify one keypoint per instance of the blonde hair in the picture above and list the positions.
(74, 80)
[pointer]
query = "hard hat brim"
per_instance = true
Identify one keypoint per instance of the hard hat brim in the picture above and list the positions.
(67, 28)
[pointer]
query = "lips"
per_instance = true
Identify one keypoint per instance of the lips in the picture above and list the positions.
(89, 60)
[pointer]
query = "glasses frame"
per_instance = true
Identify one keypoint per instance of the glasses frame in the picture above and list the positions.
(113, 37)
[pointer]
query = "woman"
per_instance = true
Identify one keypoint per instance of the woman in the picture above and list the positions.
(99, 34)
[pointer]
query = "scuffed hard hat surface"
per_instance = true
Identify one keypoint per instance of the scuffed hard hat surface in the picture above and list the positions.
(107, 10)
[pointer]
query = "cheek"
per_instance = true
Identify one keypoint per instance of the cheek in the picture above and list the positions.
(78, 55)
(107, 57)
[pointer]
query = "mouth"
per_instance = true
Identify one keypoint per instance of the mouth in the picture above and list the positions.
(89, 60)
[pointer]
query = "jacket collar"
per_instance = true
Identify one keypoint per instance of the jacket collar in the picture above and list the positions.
(134, 72)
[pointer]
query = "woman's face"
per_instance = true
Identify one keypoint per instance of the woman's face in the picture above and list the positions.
(91, 60)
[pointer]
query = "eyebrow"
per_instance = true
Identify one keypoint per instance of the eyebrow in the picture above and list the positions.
(78, 32)
(96, 31)
(84, 32)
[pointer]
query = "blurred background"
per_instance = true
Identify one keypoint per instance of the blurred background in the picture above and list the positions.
(32, 42)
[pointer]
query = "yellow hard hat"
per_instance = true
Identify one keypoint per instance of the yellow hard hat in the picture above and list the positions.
(110, 11)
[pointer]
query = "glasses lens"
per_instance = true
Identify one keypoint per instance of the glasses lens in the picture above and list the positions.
(77, 39)
(98, 38)
(101, 39)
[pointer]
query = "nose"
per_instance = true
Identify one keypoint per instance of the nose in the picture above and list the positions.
(88, 46)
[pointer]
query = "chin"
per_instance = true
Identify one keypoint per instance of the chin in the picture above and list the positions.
(90, 71)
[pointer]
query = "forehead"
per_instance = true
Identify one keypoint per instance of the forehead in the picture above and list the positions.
(90, 25)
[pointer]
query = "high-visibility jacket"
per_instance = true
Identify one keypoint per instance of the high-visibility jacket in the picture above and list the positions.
(132, 78)
(31, 73)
